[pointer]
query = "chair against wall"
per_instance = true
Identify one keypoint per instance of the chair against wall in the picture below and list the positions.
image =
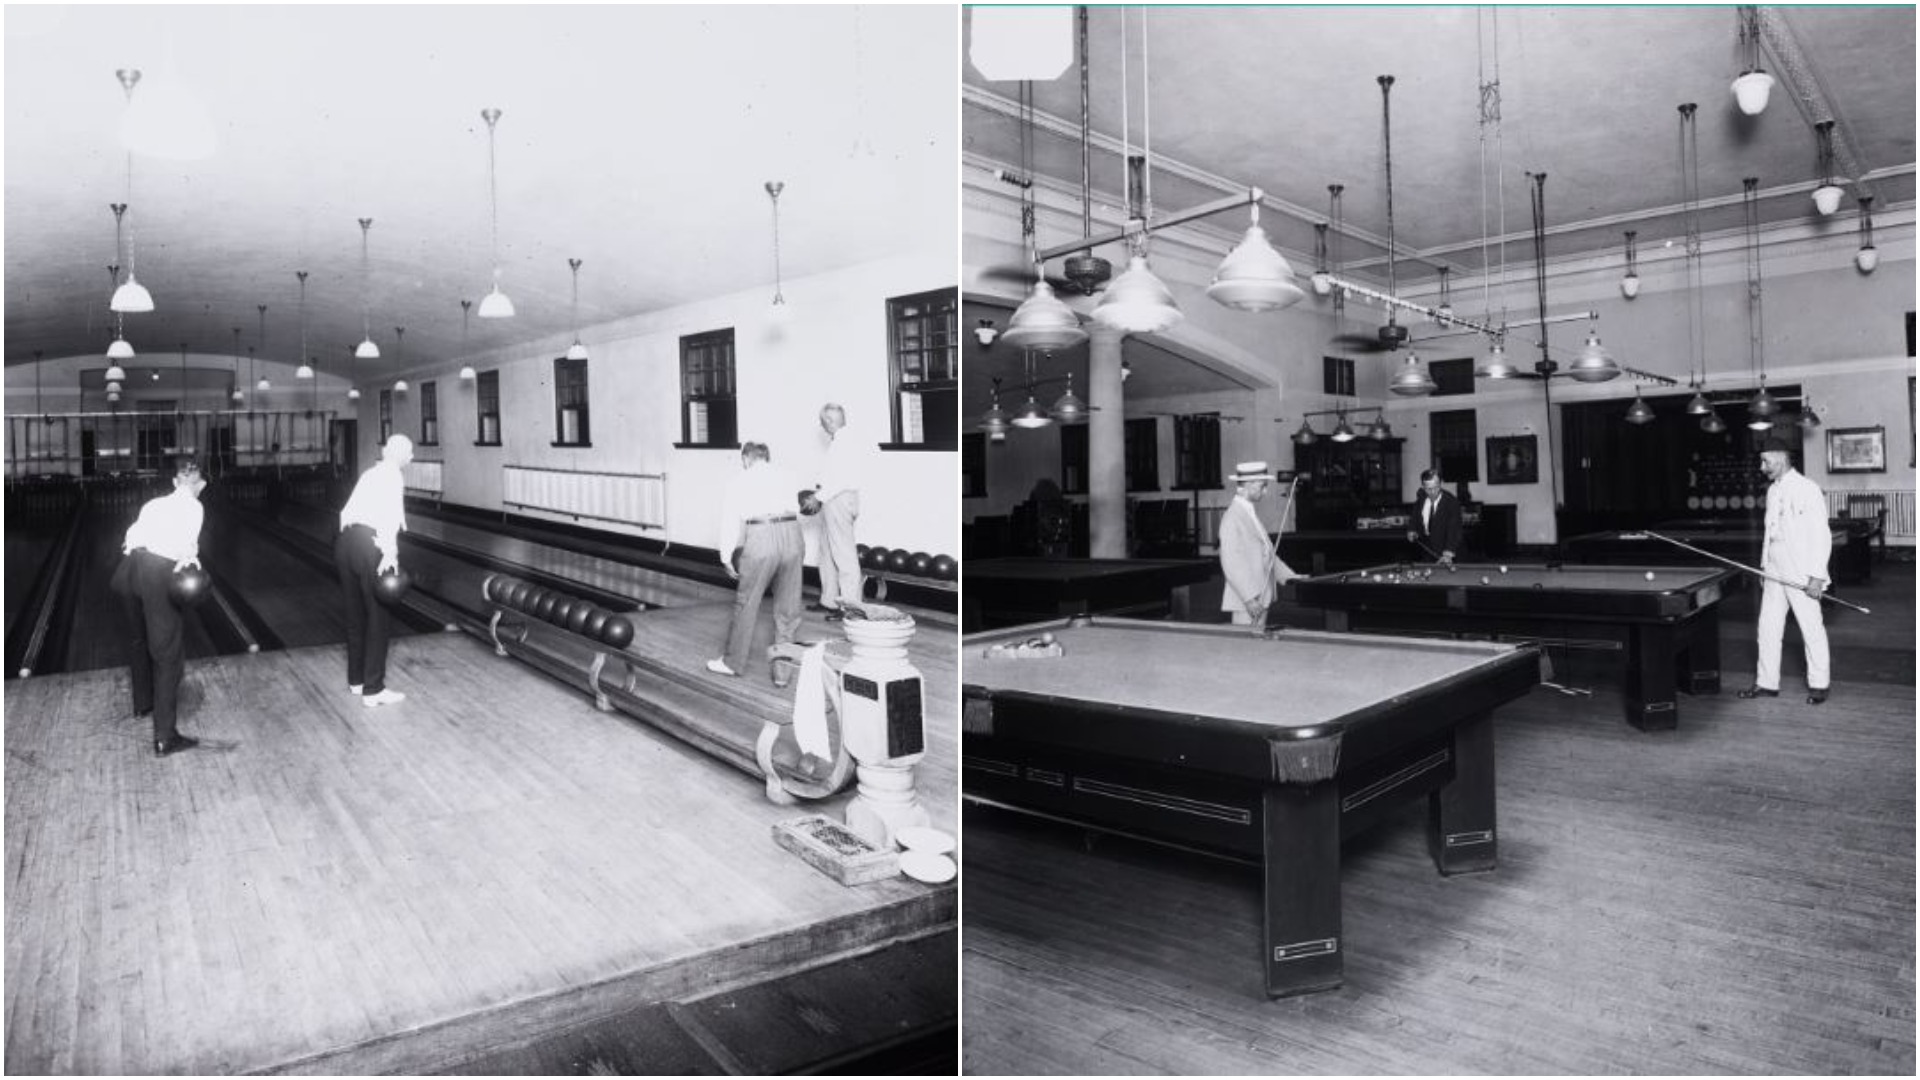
(1869, 513)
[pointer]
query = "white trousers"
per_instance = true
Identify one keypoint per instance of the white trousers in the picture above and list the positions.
(1775, 601)
(839, 556)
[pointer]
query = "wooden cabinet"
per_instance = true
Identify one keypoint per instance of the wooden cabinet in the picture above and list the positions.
(1346, 478)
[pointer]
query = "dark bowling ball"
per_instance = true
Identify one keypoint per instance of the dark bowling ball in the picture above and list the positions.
(596, 625)
(897, 560)
(618, 632)
(391, 587)
(876, 558)
(562, 611)
(920, 563)
(189, 587)
(944, 567)
(543, 607)
(517, 595)
(862, 549)
(577, 618)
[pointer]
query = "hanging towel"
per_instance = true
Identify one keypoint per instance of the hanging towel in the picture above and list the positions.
(810, 703)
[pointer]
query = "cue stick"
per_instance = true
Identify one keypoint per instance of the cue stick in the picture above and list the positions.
(1292, 486)
(1743, 566)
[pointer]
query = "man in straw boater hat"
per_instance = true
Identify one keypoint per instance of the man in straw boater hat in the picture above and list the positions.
(1247, 557)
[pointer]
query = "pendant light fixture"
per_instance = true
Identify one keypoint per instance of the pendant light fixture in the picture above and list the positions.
(466, 370)
(1443, 312)
(1412, 379)
(1322, 277)
(1137, 302)
(1638, 413)
(780, 310)
(1379, 430)
(118, 349)
(399, 350)
(1753, 86)
(1255, 277)
(995, 420)
(1630, 285)
(353, 387)
(306, 369)
(1306, 436)
(1342, 431)
(577, 351)
(1762, 406)
(1867, 257)
(1826, 197)
(1497, 365)
(1808, 418)
(264, 384)
(130, 295)
(1328, 236)
(1031, 415)
(239, 396)
(1710, 421)
(495, 304)
(1594, 364)
(1041, 321)
(366, 350)
(1070, 409)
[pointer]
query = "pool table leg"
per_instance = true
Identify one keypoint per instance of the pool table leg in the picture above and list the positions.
(1460, 816)
(1652, 675)
(1302, 868)
(1703, 655)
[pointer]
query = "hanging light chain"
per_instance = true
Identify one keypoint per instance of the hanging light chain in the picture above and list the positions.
(492, 117)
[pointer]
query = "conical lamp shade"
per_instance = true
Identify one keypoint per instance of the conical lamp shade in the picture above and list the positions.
(995, 420)
(131, 297)
(1137, 302)
(1042, 321)
(1342, 432)
(1379, 430)
(1712, 424)
(116, 373)
(1699, 405)
(1306, 436)
(1497, 366)
(263, 385)
(120, 350)
(1031, 415)
(1762, 404)
(1752, 90)
(1638, 412)
(1412, 379)
(1594, 364)
(1808, 418)
(1254, 276)
(576, 351)
(113, 386)
(1069, 409)
(495, 305)
(239, 395)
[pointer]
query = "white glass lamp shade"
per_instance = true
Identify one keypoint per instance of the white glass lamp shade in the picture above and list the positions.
(1751, 91)
(1042, 321)
(113, 399)
(116, 373)
(576, 351)
(1031, 415)
(400, 386)
(1594, 364)
(1137, 302)
(239, 395)
(1866, 259)
(1630, 286)
(495, 304)
(1254, 276)
(131, 297)
(1826, 198)
(304, 371)
(1322, 283)
(467, 374)
(1412, 379)
(120, 350)
(1497, 366)
(353, 393)
(263, 385)
(1760, 423)
(1638, 412)
(113, 386)
(366, 350)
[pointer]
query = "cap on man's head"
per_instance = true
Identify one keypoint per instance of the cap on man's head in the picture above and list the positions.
(1249, 471)
(1775, 446)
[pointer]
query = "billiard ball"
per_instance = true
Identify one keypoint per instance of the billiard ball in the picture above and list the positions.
(1538, 585)
(1503, 569)
(1649, 575)
(1046, 639)
(1485, 580)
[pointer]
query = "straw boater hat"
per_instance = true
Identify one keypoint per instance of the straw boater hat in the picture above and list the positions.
(1248, 471)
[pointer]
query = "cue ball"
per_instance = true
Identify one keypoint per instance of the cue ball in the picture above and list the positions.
(1046, 639)
(1485, 580)
(1503, 569)
(1649, 575)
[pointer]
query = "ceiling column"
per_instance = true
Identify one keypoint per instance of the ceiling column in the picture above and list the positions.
(1106, 446)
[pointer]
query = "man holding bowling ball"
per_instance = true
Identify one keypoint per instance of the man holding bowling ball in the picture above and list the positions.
(838, 496)
(367, 548)
(760, 545)
(164, 539)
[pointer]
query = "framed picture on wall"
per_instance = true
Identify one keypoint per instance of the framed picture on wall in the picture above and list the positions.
(1513, 459)
(1856, 450)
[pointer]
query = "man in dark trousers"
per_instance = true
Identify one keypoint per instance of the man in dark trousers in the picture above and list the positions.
(368, 546)
(1436, 519)
(163, 539)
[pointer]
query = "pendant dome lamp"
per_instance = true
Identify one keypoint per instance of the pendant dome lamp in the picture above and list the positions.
(118, 349)
(239, 396)
(1699, 406)
(1322, 277)
(129, 296)
(1071, 408)
(1497, 365)
(995, 420)
(366, 350)
(399, 350)
(1594, 364)
(1031, 415)
(1254, 276)
(578, 351)
(353, 388)
(1137, 302)
(1826, 197)
(1343, 431)
(1638, 413)
(1762, 406)
(467, 373)
(1868, 256)
(495, 304)
(306, 369)
(1712, 424)
(1379, 430)
(1043, 321)
(1412, 380)
(1630, 284)
(1306, 436)
(1753, 87)
(264, 384)
(1808, 418)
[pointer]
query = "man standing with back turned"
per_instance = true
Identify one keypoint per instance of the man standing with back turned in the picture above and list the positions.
(368, 546)
(164, 539)
(1798, 544)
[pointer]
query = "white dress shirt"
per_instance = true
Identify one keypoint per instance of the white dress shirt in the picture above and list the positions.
(169, 527)
(379, 501)
(765, 490)
(1799, 538)
(845, 465)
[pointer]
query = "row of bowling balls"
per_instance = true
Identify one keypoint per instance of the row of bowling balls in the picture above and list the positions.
(192, 585)
(902, 561)
(569, 613)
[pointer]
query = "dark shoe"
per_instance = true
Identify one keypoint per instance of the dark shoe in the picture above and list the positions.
(820, 607)
(836, 615)
(1817, 697)
(1757, 691)
(174, 745)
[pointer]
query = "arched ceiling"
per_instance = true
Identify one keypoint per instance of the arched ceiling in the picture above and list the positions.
(636, 139)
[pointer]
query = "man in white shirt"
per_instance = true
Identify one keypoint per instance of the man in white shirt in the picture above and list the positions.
(760, 544)
(368, 546)
(839, 495)
(1247, 559)
(1797, 546)
(164, 538)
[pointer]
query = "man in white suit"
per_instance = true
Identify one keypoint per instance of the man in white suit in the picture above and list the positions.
(1798, 544)
(1247, 558)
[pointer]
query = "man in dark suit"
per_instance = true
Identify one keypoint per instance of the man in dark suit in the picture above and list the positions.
(1436, 519)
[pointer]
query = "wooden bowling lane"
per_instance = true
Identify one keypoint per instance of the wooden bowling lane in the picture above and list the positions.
(354, 890)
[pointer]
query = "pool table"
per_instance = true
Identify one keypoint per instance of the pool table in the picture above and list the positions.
(1015, 590)
(1263, 747)
(1664, 620)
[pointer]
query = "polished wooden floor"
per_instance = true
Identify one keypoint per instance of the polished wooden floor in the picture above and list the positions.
(406, 888)
(1736, 896)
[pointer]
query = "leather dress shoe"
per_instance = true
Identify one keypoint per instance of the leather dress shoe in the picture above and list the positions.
(167, 747)
(1757, 691)
(820, 607)
(836, 615)
(1817, 697)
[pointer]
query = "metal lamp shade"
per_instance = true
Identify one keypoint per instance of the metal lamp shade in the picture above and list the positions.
(1137, 302)
(1497, 366)
(1412, 379)
(1254, 276)
(1042, 321)
(1638, 412)
(1699, 406)
(1594, 364)
(1712, 424)
(1031, 415)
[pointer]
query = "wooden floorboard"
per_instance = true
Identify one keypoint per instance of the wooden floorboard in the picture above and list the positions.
(1736, 896)
(387, 890)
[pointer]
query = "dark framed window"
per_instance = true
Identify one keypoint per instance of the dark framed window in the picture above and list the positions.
(1456, 445)
(1337, 375)
(1143, 454)
(1451, 377)
(570, 402)
(924, 344)
(973, 465)
(1196, 452)
(487, 409)
(708, 413)
(1073, 459)
(429, 414)
(386, 415)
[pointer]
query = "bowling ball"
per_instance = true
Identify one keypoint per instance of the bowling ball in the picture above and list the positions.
(862, 549)
(491, 590)
(543, 607)
(577, 618)
(516, 595)
(920, 563)
(391, 587)
(618, 632)
(562, 611)
(189, 587)
(596, 623)
(876, 558)
(944, 567)
(897, 560)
